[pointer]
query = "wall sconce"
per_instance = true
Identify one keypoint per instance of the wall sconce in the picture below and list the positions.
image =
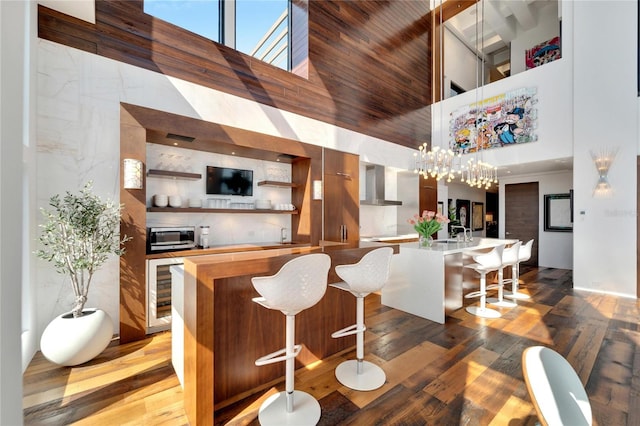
(603, 161)
(132, 173)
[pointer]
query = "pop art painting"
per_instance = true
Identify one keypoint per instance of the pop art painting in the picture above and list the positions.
(543, 53)
(502, 120)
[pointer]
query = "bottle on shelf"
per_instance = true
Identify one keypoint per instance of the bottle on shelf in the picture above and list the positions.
(204, 236)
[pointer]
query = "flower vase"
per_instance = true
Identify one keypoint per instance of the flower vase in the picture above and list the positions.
(424, 242)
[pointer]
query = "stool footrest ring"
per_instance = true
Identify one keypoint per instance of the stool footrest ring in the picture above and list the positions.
(475, 294)
(493, 286)
(348, 331)
(274, 356)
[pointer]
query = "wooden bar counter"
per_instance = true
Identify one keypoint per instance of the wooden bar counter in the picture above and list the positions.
(225, 332)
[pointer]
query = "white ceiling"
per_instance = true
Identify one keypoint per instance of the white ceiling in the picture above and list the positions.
(503, 20)
(538, 167)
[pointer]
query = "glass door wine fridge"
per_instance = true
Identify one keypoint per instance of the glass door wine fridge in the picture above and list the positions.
(159, 293)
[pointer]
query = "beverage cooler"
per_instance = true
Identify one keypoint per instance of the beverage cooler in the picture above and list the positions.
(159, 293)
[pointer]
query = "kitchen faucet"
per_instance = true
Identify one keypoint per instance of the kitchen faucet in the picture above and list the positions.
(467, 237)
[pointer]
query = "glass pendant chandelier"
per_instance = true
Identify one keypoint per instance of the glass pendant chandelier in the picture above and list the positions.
(441, 162)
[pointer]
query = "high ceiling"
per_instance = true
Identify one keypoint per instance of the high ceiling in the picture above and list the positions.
(494, 29)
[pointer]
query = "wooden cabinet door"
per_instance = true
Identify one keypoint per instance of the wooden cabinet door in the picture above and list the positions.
(341, 195)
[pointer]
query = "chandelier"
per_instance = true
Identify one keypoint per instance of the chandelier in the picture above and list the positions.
(442, 163)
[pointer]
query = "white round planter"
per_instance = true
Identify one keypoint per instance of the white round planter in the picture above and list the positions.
(72, 341)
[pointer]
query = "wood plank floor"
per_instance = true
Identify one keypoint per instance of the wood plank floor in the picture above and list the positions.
(467, 371)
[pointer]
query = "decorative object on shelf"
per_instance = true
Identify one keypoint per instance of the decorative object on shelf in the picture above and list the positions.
(426, 225)
(132, 173)
(161, 200)
(603, 160)
(80, 233)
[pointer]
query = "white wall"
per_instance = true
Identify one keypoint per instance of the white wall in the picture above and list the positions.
(555, 249)
(460, 64)
(14, 119)
(605, 115)
(223, 228)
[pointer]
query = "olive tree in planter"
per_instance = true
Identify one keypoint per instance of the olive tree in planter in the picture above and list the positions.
(80, 233)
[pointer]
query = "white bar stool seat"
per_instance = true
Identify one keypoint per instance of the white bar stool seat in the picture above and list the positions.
(509, 258)
(298, 285)
(484, 263)
(555, 388)
(368, 275)
(523, 256)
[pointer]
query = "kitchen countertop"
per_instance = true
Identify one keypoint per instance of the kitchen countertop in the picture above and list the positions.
(451, 246)
(387, 238)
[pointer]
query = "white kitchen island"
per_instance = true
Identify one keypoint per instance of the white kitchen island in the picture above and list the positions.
(428, 282)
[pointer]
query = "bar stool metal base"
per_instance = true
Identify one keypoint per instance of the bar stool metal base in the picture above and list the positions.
(517, 295)
(483, 312)
(273, 411)
(372, 377)
(502, 303)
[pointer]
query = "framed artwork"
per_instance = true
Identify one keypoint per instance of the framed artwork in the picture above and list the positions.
(463, 212)
(477, 217)
(440, 208)
(542, 53)
(558, 216)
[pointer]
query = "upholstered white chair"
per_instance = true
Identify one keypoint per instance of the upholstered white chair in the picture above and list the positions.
(523, 256)
(370, 274)
(555, 389)
(509, 259)
(298, 285)
(484, 263)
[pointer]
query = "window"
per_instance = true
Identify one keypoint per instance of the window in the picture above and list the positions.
(262, 30)
(259, 28)
(198, 16)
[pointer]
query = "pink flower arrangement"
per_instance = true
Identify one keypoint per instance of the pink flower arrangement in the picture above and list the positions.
(429, 223)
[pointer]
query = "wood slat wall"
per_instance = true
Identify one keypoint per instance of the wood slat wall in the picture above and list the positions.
(369, 61)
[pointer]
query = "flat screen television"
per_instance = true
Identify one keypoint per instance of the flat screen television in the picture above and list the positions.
(227, 181)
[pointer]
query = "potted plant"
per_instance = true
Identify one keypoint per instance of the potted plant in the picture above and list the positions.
(80, 233)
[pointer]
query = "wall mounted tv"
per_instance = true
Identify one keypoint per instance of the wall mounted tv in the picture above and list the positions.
(227, 181)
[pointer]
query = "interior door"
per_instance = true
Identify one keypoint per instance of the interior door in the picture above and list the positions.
(522, 215)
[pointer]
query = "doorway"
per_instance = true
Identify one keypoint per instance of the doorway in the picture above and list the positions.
(521, 215)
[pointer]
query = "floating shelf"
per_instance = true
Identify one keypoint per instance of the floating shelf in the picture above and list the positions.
(277, 183)
(203, 210)
(172, 174)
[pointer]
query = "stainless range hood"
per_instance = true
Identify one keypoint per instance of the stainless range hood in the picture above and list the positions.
(374, 188)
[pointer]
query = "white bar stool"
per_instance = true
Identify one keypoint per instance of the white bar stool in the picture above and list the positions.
(298, 285)
(523, 256)
(555, 388)
(509, 258)
(368, 275)
(485, 263)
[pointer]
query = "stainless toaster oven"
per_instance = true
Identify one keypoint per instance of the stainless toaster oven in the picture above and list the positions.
(170, 238)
